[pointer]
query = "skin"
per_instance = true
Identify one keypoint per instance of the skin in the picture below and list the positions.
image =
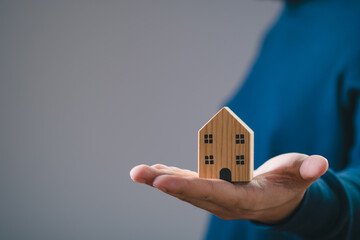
(274, 193)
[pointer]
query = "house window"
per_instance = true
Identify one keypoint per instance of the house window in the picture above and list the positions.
(208, 138)
(240, 138)
(240, 160)
(209, 159)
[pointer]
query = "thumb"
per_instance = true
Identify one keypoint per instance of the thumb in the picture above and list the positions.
(313, 167)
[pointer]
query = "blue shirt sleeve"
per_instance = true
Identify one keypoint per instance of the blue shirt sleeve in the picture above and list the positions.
(331, 205)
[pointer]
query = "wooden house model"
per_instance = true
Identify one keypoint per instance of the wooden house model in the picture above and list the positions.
(226, 148)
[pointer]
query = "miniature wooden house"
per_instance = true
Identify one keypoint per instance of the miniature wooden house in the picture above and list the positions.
(226, 148)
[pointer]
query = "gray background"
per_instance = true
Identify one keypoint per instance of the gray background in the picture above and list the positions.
(89, 89)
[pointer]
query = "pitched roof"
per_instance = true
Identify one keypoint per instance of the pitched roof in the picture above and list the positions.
(228, 110)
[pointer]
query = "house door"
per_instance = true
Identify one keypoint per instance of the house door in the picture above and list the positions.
(225, 174)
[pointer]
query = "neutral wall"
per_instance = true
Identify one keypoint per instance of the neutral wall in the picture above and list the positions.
(88, 89)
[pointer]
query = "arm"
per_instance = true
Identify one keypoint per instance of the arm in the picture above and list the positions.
(291, 192)
(333, 201)
(274, 193)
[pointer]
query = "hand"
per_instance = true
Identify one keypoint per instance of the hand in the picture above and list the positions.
(273, 194)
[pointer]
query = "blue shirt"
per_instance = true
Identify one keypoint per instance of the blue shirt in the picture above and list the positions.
(302, 95)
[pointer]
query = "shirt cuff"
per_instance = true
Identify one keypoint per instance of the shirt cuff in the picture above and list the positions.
(318, 212)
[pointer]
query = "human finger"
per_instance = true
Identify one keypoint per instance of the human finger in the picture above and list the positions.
(313, 167)
(183, 172)
(146, 174)
(285, 162)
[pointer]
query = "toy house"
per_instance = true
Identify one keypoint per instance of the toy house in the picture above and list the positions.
(226, 148)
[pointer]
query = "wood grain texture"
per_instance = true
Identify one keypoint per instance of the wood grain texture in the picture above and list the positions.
(224, 128)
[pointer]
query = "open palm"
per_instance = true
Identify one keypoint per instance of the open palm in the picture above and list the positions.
(273, 194)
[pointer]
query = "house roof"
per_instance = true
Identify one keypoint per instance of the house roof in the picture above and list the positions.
(229, 111)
